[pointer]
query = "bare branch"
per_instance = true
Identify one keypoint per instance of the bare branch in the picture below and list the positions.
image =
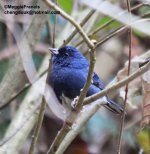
(71, 20)
(107, 24)
(81, 24)
(118, 85)
(38, 126)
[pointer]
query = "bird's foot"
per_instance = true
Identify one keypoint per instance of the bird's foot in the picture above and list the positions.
(74, 102)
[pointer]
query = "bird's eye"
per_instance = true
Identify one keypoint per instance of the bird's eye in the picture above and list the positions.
(66, 54)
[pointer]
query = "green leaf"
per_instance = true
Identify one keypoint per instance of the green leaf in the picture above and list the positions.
(106, 19)
(139, 34)
(66, 5)
(143, 140)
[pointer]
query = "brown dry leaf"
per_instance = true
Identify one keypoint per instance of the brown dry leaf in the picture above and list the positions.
(146, 98)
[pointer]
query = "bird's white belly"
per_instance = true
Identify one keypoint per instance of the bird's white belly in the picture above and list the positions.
(66, 102)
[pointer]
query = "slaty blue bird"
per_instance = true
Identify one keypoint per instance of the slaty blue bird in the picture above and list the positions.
(68, 75)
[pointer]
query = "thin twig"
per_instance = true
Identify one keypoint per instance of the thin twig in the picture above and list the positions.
(118, 85)
(109, 36)
(81, 121)
(107, 24)
(88, 82)
(7, 139)
(38, 126)
(14, 96)
(83, 22)
(59, 138)
(72, 21)
(96, 31)
(126, 89)
(114, 33)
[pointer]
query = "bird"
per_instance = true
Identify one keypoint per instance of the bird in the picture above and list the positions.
(68, 75)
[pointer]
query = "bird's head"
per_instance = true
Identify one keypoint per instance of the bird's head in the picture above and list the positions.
(67, 56)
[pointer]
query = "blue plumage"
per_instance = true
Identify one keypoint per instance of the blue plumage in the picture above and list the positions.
(68, 75)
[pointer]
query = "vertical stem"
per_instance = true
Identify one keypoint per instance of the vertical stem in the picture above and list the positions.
(60, 136)
(126, 89)
(38, 126)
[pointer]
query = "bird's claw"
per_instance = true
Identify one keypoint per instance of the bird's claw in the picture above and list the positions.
(74, 102)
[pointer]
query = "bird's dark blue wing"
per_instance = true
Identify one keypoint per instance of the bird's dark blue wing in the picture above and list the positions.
(97, 82)
(96, 85)
(111, 105)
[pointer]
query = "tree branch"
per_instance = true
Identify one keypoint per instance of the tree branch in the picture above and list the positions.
(88, 82)
(81, 24)
(78, 124)
(71, 20)
(118, 85)
(127, 85)
(38, 126)
(107, 24)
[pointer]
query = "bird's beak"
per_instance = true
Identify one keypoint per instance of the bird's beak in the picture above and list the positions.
(54, 51)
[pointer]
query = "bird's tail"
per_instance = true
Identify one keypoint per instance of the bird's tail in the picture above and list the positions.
(114, 107)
